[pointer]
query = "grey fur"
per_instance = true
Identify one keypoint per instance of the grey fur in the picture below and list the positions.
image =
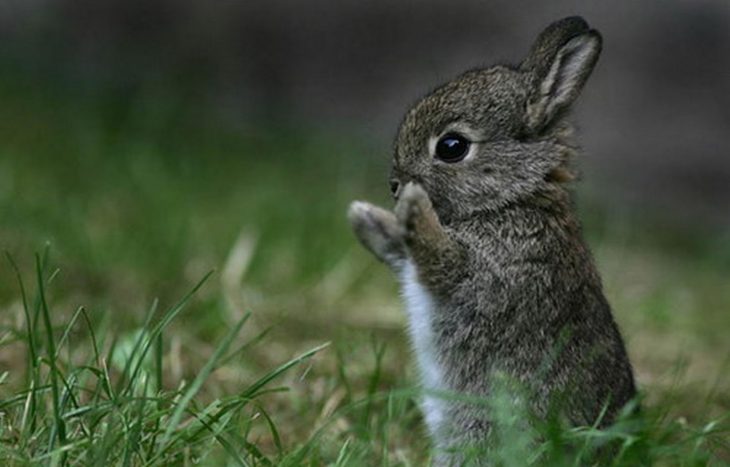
(496, 243)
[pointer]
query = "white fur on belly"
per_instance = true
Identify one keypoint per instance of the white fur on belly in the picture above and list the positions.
(420, 309)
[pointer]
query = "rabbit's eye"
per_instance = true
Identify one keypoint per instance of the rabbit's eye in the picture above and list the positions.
(452, 147)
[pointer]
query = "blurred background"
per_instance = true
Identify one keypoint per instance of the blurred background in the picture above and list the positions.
(149, 142)
(654, 119)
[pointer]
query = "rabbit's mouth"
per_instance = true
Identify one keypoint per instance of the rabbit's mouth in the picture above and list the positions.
(398, 180)
(395, 188)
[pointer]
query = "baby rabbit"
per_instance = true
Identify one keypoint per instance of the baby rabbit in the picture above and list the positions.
(496, 276)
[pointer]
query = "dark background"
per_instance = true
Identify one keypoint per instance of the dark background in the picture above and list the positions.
(654, 118)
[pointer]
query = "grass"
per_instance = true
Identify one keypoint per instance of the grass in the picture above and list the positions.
(104, 409)
(141, 198)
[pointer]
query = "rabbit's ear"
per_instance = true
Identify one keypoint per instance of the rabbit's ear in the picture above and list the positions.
(560, 62)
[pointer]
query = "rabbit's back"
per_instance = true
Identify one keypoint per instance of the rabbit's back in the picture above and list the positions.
(530, 304)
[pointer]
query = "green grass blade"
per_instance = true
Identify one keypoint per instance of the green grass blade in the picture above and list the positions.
(130, 359)
(197, 383)
(253, 390)
(132, 444)
(217, 433)
(157, 330)
(60, 425)
(33, 377)
(67, 330)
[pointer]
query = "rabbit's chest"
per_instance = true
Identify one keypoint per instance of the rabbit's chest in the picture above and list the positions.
(420, 308)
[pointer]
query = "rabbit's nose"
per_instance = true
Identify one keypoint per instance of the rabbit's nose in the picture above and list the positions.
(395, 188)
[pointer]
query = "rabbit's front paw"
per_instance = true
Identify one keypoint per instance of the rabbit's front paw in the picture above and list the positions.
(413, 208)
(378, 230)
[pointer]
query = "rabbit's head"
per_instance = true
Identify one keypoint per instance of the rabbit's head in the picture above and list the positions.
(495, 136)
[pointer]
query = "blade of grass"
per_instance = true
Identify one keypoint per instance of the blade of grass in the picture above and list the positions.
(92, 335)
(158, 362)
(67, 330)
(130, 359)
(374, 380)
(59, 422)
(33, 378)
(274, 432)
(246, 345)
(157, 330)
(131, 446)
(197, 383)
(223, 441)
(253, 390)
